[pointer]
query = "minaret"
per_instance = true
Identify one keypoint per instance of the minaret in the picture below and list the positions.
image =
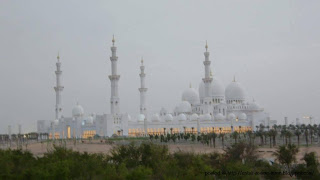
(207, 79)
(114, 78)
(58, 88)
(143, 90)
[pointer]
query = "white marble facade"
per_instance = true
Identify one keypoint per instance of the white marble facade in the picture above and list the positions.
(210, 107)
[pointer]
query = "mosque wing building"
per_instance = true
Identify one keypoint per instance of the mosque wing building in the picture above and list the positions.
(210, 108)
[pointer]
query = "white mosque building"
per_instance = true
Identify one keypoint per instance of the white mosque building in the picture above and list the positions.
(210, 108)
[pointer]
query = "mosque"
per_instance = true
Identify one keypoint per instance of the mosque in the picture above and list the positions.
(211, 108)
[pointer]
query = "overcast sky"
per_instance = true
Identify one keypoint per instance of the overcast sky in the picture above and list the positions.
(273, 48)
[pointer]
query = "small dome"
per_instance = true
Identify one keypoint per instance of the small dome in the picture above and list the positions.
(217, 88)
(231, 116)
(235, 91)
(219, 117)
(56, 122)
(184, 107)
(254, 106)
(163, 112)
(141, 117)
(155, 118)
(243, 116)
(194, 117)
(77, 111)
(191, 95)
(168, 118)
(89, 120)
(206, 117)
(182, 117)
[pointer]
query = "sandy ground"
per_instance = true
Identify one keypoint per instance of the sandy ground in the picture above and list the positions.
(38, 149)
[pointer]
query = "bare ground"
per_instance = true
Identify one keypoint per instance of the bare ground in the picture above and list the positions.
(38, 149)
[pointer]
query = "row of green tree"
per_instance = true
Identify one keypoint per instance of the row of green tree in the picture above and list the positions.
(266, 135)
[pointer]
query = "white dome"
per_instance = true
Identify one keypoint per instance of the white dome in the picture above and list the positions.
(219, 117)
(217, 88)
(194, 117)
(89, 120)
(191, 95)
(231, 116)
(184, 107)
(254, 106)
(235, 91)
(77, 111)
(168, 117)
(155, 118)
(163, 112)
(182, 117)
(141, 118)
(56, 122)
(206, 117)
(243, 116)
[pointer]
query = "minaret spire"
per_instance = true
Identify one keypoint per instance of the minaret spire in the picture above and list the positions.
(142, 90)
(58, 89)
(207, 80)
(206, 46)
(114, 78)
(234, 78)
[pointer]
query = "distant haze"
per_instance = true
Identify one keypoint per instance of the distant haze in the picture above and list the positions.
(273, 48)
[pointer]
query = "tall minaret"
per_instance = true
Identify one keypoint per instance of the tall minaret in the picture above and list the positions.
(207, 80)
(58, 88)
(114, 78)
(143, 91)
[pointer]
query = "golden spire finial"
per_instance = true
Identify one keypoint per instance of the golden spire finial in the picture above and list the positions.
(206, 46)
(113, 40)
(142, 60)
(234, 78)
(190, 85)
(58, 57)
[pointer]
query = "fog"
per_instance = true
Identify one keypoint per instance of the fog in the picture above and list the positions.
(272, 47)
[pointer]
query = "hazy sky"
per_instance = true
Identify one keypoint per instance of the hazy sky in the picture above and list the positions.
(273, 48)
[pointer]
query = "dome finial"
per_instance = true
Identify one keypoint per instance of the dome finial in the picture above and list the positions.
(142, 60)
(190, 85)
(234, 78)
(58, 57)
(113, 40)
(206, 46)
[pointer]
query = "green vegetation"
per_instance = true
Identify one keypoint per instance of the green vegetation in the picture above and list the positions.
(153, 161)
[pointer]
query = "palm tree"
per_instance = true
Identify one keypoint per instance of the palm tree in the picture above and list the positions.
(289, 135)
(235, 135)
(286, 154)
(273, 133)
(306, 134)
(283, 135)
(298, 133)
(260, 134)
(214, 136)
(249, 133)
(222, 139)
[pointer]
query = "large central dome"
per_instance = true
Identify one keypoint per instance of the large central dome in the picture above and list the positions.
(191, 95)
(216, 89)
(235, 91)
